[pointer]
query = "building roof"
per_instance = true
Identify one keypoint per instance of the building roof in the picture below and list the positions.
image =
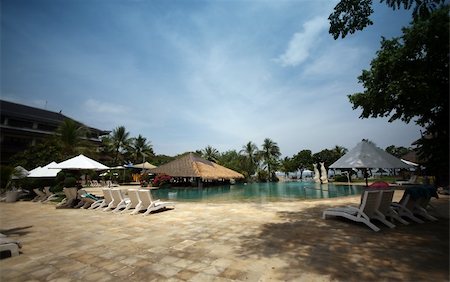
(35, 114)
(191, 165)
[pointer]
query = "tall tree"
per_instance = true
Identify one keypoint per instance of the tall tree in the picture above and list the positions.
(270, 154)
(303, 160)
(70, 135)
(140, 149)
(397, 151)
(232, 160)
(288, 165)
(119, 142)
(250, 152)
(408, 80)
(352, 15)
(211, 154)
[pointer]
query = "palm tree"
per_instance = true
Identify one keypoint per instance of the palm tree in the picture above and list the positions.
(140, 148)
(70, 136)
(270, 153)
(210, 153)
(339, 151)
(120, 141)
(250, 152)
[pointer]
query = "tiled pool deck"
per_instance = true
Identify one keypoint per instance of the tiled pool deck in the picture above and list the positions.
(278, 241)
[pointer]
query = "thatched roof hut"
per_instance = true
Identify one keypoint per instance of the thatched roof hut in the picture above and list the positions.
(191, 165)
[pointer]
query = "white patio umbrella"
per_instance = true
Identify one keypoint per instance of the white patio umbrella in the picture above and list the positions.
(145, 165)
(43, 172)
(366, 156)
(79, 162)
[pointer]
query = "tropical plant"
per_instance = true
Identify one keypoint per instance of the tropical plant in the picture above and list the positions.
(232, 160)
(40, 154)
(288, 165)
(210, 153)
(250, 152)
(303, 160)
(397, 151)
(140, 149)
(119, 142)
(270, 154)
(72, 137)
(161, 180)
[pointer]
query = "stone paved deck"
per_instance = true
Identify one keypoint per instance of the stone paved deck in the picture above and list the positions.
(283, 241)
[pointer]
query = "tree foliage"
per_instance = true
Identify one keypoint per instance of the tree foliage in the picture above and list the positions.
(408, 80)
(270, 154)
(350, 16)
(140, 149)
(71, 136)
(397, 151)
(210, 153)
(250, 153)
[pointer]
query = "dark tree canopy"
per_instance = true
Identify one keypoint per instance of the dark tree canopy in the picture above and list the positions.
(352, 15)
(409, 80)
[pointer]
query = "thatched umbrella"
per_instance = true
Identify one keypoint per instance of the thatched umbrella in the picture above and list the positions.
(191, 165)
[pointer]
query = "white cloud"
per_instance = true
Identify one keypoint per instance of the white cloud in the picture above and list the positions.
(102, 107)
(301, 43)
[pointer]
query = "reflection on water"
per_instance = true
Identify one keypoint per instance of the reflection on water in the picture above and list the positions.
(258, 192)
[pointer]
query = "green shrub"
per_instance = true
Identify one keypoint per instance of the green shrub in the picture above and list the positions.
(70, 182)
(341, 178)
(5, 175)
(57, 188)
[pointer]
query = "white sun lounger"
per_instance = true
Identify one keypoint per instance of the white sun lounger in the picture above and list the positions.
(408, 207)
(152, 205)
(134, 203)
(369, 204)
(71, 195)
(385, 207)
(41, 196)
(119, 200)
(49, 195)
(102, 203)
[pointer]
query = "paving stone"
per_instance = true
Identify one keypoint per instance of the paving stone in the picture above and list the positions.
(282, 241)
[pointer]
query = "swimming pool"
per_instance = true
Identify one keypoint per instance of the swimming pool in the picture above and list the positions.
(258, 192)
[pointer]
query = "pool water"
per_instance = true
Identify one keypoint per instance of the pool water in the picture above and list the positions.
(258, 192)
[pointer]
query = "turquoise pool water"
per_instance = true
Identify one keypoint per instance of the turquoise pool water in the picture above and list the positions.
(258, 192)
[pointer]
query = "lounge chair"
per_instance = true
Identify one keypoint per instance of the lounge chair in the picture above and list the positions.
(385, 207)
(119, 199)
(366, 210)
(71, 196)
(414, 202)
(412, 180)
(152, 205)
(102, 203)
(49, 195)
(41, 196)
(113, 199)
(7, 244)
(134, 203)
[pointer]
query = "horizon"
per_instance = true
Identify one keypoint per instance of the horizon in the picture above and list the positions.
(189, 75)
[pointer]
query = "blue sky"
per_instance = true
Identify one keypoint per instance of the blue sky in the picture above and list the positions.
(187, 74)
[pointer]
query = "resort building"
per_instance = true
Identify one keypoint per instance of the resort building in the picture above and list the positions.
(21, 126)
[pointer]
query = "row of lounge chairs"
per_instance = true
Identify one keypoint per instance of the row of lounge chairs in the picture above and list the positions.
(138, 200)
(44, 196)
(377, 204)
